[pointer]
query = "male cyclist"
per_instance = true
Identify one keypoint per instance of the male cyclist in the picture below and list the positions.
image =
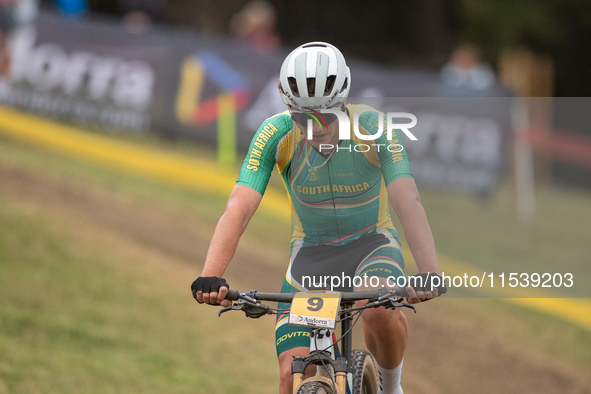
(339, 190)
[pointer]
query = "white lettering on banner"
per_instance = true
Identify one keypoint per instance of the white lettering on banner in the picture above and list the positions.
(76, 68)
(474, 141)
(49, 66)
(83, 109)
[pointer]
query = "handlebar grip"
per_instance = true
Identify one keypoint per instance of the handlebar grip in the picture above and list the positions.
(403, 292)
(232, 295)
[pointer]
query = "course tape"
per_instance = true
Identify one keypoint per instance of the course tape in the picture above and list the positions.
(206, 177)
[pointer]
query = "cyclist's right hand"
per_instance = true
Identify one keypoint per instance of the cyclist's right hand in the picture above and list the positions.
(210, 290)
(421, 287)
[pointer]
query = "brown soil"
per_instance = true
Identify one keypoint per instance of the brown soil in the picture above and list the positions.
(445, 355)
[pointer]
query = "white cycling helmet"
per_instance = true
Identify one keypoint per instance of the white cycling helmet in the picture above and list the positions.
(314, 76)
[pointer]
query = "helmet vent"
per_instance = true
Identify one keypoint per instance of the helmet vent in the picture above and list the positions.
(314, 45)
(329, 84)
(293, 86)
(311, 82)
(344, 85)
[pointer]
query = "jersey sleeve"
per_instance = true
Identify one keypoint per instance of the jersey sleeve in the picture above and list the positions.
(262, 154)
(391, 153)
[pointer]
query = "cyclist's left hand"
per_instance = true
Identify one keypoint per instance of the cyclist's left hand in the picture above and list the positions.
(422, 285)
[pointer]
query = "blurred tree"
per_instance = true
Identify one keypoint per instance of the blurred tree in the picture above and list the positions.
(408, 32)
(560, 28)
(209, 16)
(105, 6)
(418, 33)
(497, 24)
(403, 32)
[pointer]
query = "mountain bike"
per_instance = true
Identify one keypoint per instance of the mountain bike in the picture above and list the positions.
(349, 371)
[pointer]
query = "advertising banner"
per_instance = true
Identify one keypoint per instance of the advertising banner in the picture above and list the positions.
(180, 84)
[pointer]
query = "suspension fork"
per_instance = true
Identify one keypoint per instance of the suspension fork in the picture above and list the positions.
(322, 339)
(321, 353)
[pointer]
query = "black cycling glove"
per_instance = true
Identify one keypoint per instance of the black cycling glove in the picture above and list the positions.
(208, 284)
(426, 282)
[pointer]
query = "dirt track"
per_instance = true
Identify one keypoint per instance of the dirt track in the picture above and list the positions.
(448, 353)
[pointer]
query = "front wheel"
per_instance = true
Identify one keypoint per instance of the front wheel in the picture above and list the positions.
(314, 388)
(365, 372)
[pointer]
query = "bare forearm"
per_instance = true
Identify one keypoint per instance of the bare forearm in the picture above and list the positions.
(418, 235)
(405, 200)
(241, 206)
(223, 245)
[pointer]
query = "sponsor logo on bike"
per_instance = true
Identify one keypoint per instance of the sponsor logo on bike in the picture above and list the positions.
(309, 321)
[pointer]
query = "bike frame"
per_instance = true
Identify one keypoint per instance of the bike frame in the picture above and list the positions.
(318, 351)
(321, 339)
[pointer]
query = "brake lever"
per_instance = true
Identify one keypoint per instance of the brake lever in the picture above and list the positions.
(397, 304)
(247, 301)
(235, 307)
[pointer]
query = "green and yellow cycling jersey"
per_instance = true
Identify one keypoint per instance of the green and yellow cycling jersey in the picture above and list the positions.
(336, 198)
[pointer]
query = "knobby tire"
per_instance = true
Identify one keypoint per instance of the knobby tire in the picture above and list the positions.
(365, 372)
(314, 388)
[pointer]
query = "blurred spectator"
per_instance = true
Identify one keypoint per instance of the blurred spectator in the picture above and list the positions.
(26, 12)
(136, 22)
(140, 14)
(16, 16)
(466, 70)
(256, 24)
(7, 25)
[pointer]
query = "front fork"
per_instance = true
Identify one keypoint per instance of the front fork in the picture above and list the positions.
(339, 366)
(322, 355)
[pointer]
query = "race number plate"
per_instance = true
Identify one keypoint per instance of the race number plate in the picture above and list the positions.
(315, 309)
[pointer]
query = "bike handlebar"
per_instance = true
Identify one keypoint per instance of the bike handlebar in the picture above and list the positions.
(234, 295)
